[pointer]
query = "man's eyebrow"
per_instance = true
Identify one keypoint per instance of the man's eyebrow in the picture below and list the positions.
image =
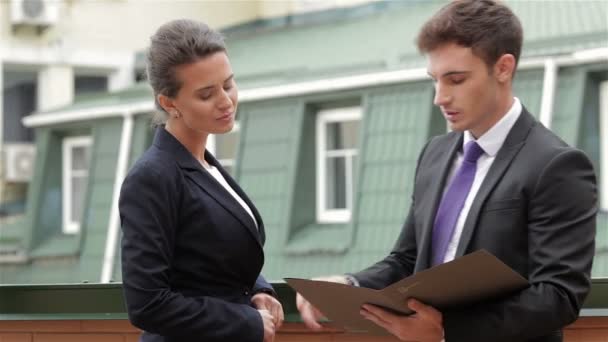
(449, 73)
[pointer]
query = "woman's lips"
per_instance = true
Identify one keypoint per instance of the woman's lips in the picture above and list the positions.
(226, 117)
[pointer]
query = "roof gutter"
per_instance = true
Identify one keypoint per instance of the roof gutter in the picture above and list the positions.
(604, 145)
(548, 95)
(303, 88)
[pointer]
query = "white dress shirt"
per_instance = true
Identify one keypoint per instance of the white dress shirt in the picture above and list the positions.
(490, 142)
(218, 176)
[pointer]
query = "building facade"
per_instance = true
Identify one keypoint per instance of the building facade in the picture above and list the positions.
(55, 51)
(335, 107)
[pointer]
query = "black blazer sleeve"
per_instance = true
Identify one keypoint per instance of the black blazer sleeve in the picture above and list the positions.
(261, 285)
(149, 205)
(561, 235)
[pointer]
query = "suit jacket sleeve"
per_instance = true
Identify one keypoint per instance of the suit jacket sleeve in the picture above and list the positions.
(261, 285)
(397, 265)
(561, 233)
(148, 206)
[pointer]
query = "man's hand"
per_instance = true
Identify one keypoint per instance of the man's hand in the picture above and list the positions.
(310, 314)
(269, 327)
(264, 301)
(426, 325)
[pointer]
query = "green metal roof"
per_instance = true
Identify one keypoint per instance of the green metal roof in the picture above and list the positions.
(370, 38)
(270, 160)
(383, 37)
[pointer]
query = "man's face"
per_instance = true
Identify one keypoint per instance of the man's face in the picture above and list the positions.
(466, 90)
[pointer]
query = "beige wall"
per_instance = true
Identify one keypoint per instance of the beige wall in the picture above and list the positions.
(270, 8)
(128, 24)
(123, 24)
(95, 37)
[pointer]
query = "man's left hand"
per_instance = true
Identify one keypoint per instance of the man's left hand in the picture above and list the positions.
(426, 325)
(264, 301)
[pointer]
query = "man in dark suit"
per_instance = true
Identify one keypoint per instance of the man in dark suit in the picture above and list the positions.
(499, 181)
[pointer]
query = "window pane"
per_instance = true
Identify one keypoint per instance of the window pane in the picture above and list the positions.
(79, 187)
(226, 145)
(80, 157)
(342, 135)
(336, 183)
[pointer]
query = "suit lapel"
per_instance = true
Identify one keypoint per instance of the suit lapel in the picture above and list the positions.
(260, 224)
(194, 170)
(211, 186)
(444, 165)
(513, 143)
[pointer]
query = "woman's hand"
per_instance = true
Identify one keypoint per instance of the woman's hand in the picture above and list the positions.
(269, 327)
(264, 301)
(310, 314)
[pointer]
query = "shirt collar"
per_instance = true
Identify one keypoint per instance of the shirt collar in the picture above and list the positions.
(492, 140)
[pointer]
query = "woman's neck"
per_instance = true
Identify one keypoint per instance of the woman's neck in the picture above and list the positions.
(194, 141)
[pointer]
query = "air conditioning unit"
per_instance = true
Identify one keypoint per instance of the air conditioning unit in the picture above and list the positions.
(18, 162)
(37, 13)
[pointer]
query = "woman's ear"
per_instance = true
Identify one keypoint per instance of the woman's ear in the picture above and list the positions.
(168, 105)
(504, 68)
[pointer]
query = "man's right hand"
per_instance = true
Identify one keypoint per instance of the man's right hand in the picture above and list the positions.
(269, 327)
(310, 314)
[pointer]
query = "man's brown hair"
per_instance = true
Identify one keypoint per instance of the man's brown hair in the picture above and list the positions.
(488, 27)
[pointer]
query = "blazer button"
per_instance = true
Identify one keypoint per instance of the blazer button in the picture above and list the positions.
(246, 293)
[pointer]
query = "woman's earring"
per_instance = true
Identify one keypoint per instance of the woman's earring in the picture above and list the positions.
(175, 114)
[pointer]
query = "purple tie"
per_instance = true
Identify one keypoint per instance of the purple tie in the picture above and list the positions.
(453, 201)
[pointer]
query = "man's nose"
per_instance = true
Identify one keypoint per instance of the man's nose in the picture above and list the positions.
(441, 96)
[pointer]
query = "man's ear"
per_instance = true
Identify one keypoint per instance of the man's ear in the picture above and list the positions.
(504, 68)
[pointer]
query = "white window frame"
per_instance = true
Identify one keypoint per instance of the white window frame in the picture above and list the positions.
(68, 144)
(325, 117)
(603, 145)
(212, 144)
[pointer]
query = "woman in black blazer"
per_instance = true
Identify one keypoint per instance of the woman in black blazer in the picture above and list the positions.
(192, 240)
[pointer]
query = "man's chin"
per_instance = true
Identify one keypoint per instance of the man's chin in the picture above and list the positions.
(454, 127)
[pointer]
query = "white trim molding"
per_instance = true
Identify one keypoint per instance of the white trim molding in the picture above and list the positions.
(334, 84)
(60, 117)
(68, 144)
(304, 88)
(325, 117)
(603, 177)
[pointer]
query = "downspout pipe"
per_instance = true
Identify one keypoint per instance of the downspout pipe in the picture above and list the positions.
(548, 95)
(107, 269)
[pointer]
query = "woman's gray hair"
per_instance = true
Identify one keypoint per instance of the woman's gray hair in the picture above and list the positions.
(176, 43)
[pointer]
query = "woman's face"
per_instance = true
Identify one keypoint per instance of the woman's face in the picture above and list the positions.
(208, 97)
